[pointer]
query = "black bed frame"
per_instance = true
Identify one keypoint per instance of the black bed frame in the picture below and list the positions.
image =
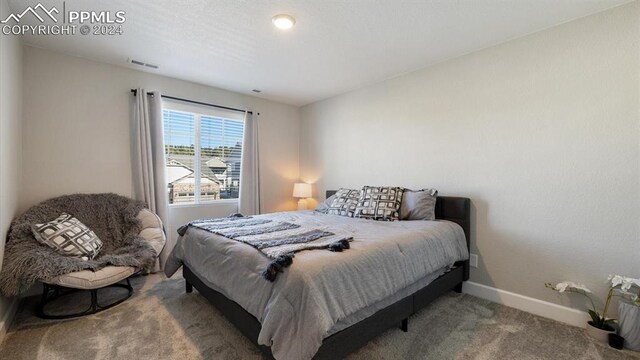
(340, 344)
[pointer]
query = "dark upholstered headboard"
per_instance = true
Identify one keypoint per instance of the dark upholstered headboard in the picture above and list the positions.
(451, 208)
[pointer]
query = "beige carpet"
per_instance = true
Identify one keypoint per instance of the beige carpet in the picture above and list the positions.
(161, 321)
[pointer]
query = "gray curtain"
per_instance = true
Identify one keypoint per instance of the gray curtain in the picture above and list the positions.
(249, 202)
(149, 178)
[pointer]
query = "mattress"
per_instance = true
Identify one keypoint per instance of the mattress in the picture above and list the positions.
(323, 292)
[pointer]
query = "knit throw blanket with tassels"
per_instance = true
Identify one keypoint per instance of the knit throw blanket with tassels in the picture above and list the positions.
(277, 240)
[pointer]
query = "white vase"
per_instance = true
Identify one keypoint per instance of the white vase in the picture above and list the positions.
(598, 334)
(629, 324)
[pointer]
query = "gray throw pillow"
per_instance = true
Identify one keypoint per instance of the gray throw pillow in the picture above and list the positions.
(418, 205)
(68, 236)
(323, 207)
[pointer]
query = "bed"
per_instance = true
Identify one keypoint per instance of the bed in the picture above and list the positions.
(327, 305)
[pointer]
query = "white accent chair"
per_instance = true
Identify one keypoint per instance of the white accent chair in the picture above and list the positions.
(109, 276)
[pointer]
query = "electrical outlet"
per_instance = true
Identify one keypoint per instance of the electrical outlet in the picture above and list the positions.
(473, 260)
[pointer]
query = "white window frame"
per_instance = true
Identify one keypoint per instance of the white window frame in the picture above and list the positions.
(198, 111)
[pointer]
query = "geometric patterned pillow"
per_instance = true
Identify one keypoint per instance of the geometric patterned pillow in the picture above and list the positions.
(380, 203)
(344, 203)
(323, 207)
(68, 236)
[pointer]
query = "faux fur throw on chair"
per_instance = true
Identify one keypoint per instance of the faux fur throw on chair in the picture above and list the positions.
(112, 217)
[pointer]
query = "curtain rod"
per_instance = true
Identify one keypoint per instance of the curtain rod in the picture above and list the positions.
(135, 93)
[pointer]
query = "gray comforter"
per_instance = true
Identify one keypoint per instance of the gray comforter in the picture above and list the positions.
(322, 292)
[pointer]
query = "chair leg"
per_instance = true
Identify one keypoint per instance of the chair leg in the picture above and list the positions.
(189, 287)
(51, 293)
(43, 300)
(94, 300)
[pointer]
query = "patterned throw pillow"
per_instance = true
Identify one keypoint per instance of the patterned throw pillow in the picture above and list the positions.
(380, 203)
(344, 203)
(323, 207)
(68, 236)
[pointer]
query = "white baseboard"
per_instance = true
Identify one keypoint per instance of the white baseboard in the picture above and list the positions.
(8, 317)
(545, 309)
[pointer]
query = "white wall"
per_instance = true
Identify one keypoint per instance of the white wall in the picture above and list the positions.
(541, 132)
(77, 131)
(10, 144)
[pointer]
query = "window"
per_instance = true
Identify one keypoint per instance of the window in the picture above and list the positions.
(203, 148)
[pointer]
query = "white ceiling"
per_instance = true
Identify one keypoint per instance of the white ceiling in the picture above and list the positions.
(336, 45)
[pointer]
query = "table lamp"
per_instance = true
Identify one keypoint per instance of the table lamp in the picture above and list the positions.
(302, 191)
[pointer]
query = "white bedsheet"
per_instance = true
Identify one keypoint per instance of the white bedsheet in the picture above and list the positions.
(315, 296)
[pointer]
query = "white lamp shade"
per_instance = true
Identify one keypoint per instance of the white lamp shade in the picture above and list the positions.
(302, 190)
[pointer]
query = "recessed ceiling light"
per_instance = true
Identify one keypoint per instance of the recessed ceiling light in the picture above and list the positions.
(283, 21)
